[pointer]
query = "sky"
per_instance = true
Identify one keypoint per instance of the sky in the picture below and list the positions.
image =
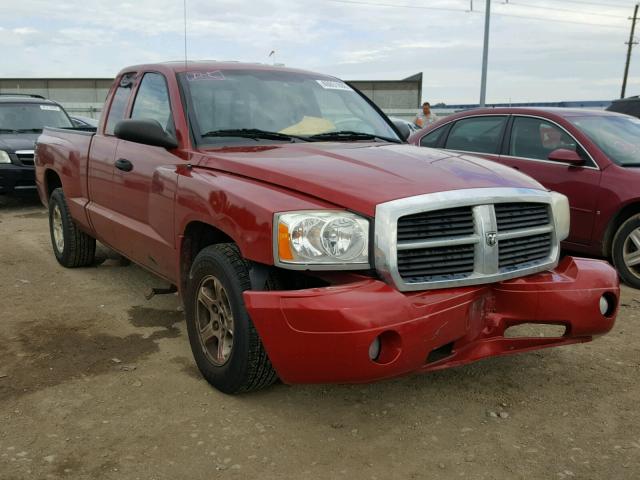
(540, 50)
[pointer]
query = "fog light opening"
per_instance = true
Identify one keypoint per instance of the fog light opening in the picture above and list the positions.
(385, 348)
(374, 349)
(607, 304)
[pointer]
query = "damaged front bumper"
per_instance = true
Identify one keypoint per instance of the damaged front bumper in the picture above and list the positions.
(330, 334)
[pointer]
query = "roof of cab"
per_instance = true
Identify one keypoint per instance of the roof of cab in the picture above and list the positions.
(181, 66)
(20, 98)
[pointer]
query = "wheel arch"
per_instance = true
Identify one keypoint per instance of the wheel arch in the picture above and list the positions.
(630, 209)
(196, 236)
(51, 181)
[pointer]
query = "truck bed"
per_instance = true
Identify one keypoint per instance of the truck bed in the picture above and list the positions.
(65, 151)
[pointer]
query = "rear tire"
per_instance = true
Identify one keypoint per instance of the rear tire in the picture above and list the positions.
(225, 344)
(625, 251)
(71, 246)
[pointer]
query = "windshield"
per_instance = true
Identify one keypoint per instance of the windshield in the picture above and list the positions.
(233, 105)
(31, 117)
(617, 136)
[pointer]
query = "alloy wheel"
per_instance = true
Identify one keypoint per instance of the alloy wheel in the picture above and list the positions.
(214, 320)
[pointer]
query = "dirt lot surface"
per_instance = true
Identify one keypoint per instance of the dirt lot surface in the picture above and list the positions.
(98, 383)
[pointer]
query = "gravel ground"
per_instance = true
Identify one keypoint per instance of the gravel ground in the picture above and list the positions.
(98, 383)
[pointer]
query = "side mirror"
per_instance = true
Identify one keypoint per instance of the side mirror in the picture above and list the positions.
(148, 132)
(565, 155)
(403, 128)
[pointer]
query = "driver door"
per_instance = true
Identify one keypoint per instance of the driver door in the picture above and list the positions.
(531, 140)
(144, 185)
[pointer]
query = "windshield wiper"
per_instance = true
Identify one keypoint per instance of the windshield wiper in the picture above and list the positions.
(8, 130)
(253, 133)
(29, 130)
(350, 135)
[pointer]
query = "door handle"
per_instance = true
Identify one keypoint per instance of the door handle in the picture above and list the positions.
(124, 165)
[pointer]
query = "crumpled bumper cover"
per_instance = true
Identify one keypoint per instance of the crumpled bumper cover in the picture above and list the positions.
(322, 335)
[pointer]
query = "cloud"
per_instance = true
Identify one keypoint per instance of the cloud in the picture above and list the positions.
(530, 59)
(24, 31)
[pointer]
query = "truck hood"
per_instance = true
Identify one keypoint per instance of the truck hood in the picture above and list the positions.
(358, 176)
(10, 142)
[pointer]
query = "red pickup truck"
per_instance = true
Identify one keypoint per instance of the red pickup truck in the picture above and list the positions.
(307, 240)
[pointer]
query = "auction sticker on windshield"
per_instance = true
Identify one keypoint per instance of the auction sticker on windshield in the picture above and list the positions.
(193, 76)
(53, 108)
(333, 85)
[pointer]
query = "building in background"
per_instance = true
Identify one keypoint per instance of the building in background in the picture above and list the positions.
(79, 96)
(396, 98)
(85, 96)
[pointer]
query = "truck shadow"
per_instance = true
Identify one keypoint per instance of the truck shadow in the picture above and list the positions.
(516, 383)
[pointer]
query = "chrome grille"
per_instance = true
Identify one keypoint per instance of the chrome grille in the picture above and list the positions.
(25, 156)
(427, 264)
(449, 222)
(510, 216)
(465, 237)
(519, 252)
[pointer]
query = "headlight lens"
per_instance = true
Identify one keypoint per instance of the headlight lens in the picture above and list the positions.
(4, 157)
(561, 215)
(322, 239)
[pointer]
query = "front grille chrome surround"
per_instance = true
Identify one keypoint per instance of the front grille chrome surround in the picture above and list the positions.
(26, 157)
(514, 216)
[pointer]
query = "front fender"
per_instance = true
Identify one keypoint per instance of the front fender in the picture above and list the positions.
(239, 207)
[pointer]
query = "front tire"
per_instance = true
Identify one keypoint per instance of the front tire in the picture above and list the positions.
(626, 251)
(71, 246)
(225, 344)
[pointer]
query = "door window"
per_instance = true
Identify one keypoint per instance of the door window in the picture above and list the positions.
(537, 138)
(119, 102)
(152, 101)
(477, 134)
(432, 139)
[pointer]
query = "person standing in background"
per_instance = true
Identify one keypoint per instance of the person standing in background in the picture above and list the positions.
(426, 116)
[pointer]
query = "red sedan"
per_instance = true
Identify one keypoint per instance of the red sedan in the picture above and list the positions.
(593, 157)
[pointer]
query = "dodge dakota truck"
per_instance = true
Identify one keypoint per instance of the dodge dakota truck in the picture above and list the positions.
(308, 241)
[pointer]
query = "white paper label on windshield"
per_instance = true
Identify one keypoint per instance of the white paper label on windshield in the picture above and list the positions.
(195, 76)
(333, 85)
(53, 108)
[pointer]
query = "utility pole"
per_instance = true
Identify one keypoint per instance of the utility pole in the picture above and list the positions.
(630, 44)
(485, 53)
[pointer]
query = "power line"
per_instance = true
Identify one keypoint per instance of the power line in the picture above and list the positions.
(555, 9)
(599, 4)
(422, 7)
(575, 22)
(419, 7)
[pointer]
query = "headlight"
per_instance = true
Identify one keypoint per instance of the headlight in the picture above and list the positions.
(4, 157)
(561, 214)
(321, 240)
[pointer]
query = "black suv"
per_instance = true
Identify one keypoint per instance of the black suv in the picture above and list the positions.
(22, 118)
